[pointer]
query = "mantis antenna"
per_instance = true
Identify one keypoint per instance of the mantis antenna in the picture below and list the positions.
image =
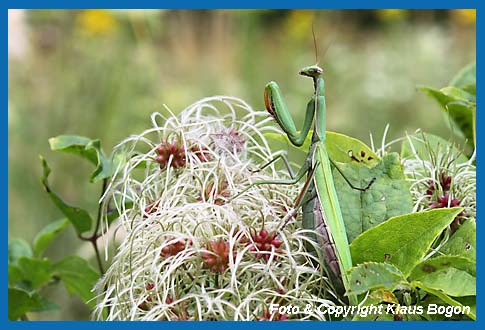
(317, 60)
(315, 44)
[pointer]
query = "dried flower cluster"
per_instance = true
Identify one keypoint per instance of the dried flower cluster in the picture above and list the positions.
(445, 178)
(194, 249)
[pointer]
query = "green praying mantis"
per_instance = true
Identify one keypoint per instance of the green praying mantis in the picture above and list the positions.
(318, 197)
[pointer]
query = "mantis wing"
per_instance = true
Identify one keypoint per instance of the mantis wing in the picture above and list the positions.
(327, 196)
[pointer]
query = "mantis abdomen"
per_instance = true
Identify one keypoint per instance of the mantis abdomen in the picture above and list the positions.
(313, 219)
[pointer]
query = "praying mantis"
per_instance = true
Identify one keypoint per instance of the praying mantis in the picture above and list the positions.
(318, 197)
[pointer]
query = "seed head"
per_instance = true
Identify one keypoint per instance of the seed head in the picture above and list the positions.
(264, 243)
(167, 150)
(217, 257)
(174, 248)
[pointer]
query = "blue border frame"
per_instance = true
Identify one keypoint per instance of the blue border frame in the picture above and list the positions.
(249, 4)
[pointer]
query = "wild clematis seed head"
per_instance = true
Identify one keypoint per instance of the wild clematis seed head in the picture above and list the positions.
(264, 244)
(230, 139)
(201, 152)
(191, 252)
(174, 248)
(170, 150)
(217, 257)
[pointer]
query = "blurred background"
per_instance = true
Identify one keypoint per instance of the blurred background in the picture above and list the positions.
(101, 73)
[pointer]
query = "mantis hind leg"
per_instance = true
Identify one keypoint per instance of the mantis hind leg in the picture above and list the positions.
(301, 172)
(285, 161)
(302, 197)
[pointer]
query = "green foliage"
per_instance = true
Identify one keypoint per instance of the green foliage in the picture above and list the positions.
(391, 256)
(80, 219)
(458, 101)
(388, 195)
(446, 299)
(28, 272)
(18, 248)
(341, 148)
(451, 281)
(78, 277)
(403, 240)
(74, 144)
(345, 149)
(90, 150)
(463, 241)
(34, 272)
(372, 275)
(28, 275)
(432, 265)
(21, 302)
(47, 234)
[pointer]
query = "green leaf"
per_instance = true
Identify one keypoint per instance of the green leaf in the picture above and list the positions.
(74, 144)
(404, 240)
(35, 272)
(462, 119)
(466, 76)
(388, 196)
(463, 241)
(453, 275)
(345, 149)
(468, 301)
(14, 274)
(444, 297)
(372, 275)
(47, 234)
(78, 277)
(459, 111)
(80, 219)
(105, 165)
(426, 146)
(18, 248)
(90, 150)
(459, 94)
(436, 264)
(21, 302)
(341, 148)
(451, 281)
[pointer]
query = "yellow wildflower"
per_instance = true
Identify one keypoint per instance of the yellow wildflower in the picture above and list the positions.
(391, 14)
(96, 22)
(299, 24)
(464, 16)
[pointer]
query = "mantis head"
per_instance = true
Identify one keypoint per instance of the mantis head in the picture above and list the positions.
(312, 71)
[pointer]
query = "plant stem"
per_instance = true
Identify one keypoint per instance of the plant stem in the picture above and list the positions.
(94, 236)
